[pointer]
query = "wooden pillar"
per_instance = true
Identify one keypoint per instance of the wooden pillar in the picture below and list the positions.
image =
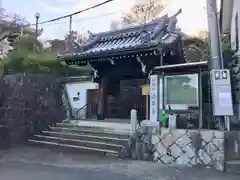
(102, 98)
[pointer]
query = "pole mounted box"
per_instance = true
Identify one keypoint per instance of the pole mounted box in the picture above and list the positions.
(221, 92)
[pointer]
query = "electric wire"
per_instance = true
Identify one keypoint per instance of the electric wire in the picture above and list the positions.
(72, 14)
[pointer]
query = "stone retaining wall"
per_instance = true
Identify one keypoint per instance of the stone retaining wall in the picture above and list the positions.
(29, 103)
(190, 148)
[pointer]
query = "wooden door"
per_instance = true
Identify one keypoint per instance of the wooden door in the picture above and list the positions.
(92, 103)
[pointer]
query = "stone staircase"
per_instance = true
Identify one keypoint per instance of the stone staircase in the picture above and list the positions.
(106, 140)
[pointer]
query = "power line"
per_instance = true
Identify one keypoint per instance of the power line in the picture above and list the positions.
(92, 17)
(83, 20)
(72, 14)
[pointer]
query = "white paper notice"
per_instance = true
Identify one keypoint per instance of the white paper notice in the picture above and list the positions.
(225, 99)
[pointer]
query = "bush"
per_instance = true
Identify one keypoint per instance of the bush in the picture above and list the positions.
(23, 59)
(43, 62)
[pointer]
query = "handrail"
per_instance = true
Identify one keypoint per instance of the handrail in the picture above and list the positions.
(81, 108)
(192, 64)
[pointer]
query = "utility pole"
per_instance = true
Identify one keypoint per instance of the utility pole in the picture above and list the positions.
(70, 25)
(37, 16)
(69, 39)
(214, 35)
(220, 77)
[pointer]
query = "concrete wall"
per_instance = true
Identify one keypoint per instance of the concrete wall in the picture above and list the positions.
(77, 95)
(190, 148)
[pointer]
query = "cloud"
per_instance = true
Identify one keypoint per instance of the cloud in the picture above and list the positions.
(49, 7)
(68, 6)
(84, 21)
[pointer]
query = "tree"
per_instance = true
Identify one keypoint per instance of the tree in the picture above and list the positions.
(196, 48)
(75, 38)
(56, 45)
(144, 12)
(9, 24)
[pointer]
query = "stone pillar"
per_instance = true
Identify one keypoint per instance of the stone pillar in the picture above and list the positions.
(102, 98)
(134, 121)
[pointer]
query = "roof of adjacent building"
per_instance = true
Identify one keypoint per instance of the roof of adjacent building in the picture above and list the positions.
(159, 33)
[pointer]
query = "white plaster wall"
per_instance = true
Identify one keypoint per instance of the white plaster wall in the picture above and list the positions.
(236, 9)
(79, 87)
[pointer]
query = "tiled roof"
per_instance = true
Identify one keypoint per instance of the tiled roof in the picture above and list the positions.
(160, 32)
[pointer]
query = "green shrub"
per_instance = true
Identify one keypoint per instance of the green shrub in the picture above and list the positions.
(42, 62)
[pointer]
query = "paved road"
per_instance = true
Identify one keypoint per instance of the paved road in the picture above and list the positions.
(39, 165)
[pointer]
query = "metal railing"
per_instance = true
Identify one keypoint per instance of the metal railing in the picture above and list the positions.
(79, 109)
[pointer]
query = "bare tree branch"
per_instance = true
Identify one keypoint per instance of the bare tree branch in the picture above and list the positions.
(144, 12)
(9, 24)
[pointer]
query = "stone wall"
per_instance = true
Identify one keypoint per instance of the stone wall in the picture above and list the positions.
(190, 148)
(29, 104)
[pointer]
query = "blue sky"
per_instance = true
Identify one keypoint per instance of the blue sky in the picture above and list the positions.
(99, 19)
(94, 20)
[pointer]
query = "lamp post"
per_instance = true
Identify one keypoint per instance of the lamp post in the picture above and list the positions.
(37, 16)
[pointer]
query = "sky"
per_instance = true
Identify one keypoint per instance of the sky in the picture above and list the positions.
(95, 20)
(192, 19)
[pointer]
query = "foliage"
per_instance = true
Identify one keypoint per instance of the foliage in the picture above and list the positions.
(40, 62)
(77, 37)
(144, 12)
(10, 24)
(56, 45)
(59, 45)
(23, 59)
(196, 49)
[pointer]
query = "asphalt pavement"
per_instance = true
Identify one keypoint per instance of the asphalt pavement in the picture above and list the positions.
(43, 164)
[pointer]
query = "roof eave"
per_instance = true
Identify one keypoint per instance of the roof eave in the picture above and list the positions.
(110, 53)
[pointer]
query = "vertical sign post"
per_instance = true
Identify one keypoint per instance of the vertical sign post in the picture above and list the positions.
(154, 98)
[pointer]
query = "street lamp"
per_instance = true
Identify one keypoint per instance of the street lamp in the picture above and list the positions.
(37, 16)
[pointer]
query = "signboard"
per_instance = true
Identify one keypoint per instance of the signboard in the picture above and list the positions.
(154, 98)
(221, 92)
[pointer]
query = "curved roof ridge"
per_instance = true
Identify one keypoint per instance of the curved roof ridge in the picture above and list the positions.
(133, 28)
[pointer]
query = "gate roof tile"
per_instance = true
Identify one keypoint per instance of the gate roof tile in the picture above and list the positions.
(161, 32)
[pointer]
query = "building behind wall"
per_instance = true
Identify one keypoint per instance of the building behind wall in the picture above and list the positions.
(77, 96)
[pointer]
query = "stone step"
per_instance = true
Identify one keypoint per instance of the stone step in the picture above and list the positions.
(96, 132)
(233, 166)
(103, 126)
(75, 147)
(77, 142)
(107, 138)
(89, 137)
(72, 125)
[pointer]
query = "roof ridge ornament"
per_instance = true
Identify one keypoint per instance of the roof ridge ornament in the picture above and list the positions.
(173, 21)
